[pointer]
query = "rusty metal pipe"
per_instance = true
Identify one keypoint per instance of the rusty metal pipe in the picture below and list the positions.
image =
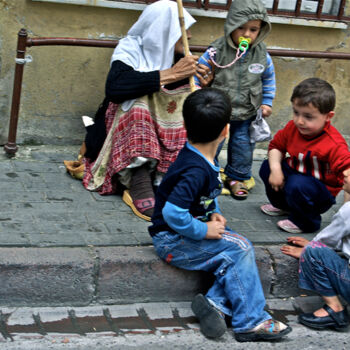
(11, 147)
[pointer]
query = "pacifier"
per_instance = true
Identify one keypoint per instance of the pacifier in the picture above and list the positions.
(244, 43)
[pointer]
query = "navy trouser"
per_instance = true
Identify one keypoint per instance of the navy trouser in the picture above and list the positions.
(304, 196)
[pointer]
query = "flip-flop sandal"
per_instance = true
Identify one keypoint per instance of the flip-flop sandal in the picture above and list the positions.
(138, 206)
(237, 188)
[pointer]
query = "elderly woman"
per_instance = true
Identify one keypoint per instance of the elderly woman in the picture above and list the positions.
(138, 129)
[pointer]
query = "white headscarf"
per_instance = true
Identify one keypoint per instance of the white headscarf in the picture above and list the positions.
(150, 42)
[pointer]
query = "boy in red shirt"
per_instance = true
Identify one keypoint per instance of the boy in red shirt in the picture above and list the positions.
(306, 160)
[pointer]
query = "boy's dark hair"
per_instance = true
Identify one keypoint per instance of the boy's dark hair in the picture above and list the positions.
(316, 91)
(206, 112)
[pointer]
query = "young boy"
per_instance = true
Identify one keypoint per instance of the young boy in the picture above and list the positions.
(189, 231)
(325, 272)
(304, 183)
(250, 83)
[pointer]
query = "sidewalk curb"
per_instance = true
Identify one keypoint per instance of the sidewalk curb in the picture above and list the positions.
(119, 275)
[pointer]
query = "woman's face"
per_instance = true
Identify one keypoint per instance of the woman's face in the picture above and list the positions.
(179, 48)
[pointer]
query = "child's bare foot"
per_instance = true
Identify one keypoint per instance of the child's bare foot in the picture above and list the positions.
(295, 252)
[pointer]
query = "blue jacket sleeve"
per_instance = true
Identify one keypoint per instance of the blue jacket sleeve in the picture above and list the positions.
(268, 82)
(181, 221)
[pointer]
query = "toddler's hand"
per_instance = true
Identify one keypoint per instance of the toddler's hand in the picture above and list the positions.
(276, 180)
(266, 110)
(215, 230)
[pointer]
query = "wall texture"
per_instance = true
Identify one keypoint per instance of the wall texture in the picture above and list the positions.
(64, 83)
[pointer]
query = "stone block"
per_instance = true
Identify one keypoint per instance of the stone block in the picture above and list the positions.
(285, 268)
(136, 274)
(46, 276)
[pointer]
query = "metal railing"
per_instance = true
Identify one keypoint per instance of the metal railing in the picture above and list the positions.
(327, 10)
(24, 41)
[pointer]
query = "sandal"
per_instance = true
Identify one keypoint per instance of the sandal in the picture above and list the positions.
(237, 188)
(249, 183)
(268, 330)
(139, 206)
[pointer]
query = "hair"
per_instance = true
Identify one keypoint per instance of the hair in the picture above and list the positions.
(316, 91)
(206, 112)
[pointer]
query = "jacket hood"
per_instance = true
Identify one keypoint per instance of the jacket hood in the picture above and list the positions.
(242, 11)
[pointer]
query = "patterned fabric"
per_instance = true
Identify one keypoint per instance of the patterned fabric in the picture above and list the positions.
(152, 128)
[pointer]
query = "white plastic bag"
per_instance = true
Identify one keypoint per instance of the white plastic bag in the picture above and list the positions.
(259, 129)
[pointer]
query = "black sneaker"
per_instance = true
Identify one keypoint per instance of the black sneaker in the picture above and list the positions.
(212, 321)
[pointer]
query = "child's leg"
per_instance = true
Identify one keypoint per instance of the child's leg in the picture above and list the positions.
(307, 198)
(323, 271)
(237, 290)
(239, 151)
(276, 198)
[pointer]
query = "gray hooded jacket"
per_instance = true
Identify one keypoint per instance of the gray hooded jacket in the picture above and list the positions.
(242, 81)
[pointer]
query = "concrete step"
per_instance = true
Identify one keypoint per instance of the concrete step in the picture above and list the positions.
(119, 275)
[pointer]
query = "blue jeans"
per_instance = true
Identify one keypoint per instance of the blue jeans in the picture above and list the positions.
(323, 271)
(237, 289)
(239, 151)
(303, 196)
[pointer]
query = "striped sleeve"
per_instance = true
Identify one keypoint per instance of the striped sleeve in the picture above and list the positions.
(268, 82)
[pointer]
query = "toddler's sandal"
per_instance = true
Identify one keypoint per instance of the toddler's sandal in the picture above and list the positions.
(237, 188)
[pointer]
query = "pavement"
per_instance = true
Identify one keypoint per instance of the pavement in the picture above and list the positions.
(154, 326)
(63, 245)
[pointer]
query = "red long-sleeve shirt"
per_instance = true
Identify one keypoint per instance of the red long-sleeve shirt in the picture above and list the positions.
(324, 156)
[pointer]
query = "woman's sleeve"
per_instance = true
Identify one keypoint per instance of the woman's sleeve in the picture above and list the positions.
(124, 83)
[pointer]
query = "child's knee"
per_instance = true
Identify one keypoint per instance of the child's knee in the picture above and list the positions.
(314, 251)
(264, 171)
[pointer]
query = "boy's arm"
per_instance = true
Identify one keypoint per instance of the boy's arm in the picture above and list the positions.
(276, 178)
(268, 86)
(181, 221)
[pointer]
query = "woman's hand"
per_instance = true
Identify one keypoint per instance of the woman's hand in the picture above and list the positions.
(184, 68)
(205, 75)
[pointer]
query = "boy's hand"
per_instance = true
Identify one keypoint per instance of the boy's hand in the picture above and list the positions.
(215, 230)
(218, 217)
(276, 180)
(295, 252)
(266, 110)
(299, 241)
